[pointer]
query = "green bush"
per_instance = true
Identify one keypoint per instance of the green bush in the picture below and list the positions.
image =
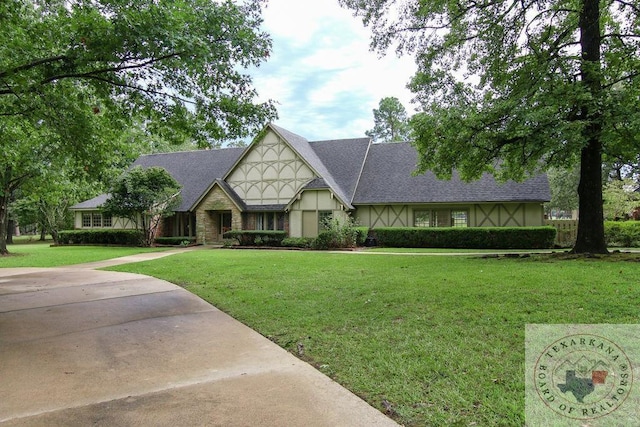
(179, 240)
(467, 238)
(298, 242)
(256, 237)
(101, 237)
(622, 233)
(339, 233)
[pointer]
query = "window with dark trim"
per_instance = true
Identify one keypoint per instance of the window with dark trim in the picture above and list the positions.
(422, 218)
(460, 218)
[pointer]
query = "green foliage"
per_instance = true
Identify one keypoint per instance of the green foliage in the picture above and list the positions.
(75, 76)
(563, 184)
(390, 122)
(339, 233)
(624, 234)
(256, 237)
(101, 237)
(620, 199)
(467, 237)
(509, 88)
(144, 196)
(298, 242)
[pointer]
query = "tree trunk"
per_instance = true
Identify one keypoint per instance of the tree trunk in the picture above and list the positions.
(591, 222)
(4, 220)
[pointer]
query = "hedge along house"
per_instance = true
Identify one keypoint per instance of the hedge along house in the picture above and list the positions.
(284, 182)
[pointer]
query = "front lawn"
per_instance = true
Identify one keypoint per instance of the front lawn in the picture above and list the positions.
(38, 254)
(430, 340)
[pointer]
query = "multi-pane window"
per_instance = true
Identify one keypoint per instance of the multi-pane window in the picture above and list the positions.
(96, 220)
(86, 220)
(324, 217)
(459, 219)
(422, 218)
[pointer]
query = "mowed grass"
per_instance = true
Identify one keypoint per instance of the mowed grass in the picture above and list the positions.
(429, 340)
(42, 254)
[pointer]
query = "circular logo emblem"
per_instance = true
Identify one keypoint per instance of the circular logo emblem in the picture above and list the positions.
(583, 376)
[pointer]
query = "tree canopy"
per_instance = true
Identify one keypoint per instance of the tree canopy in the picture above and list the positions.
(510, 87)
(75, 73)
(390, 121)
(144, 197)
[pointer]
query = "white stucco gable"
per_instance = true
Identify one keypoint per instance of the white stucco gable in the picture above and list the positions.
(270, 172)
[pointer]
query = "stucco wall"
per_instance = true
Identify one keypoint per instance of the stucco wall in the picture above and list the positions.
(116, 223)
(270, 173)
(479, 215)
(306, 208)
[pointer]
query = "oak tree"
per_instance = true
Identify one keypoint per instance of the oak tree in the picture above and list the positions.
(510, 87)
(76, 73)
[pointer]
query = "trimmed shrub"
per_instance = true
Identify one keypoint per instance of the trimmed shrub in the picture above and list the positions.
(175, 241)
(622, 233)
(256, 237)
(297, 242)
(101, 237)
(467, 238)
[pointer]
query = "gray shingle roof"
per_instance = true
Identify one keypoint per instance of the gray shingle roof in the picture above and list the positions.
(194, 170)
(357, 171)
(303, 148)
(387, 177)
(343, 159)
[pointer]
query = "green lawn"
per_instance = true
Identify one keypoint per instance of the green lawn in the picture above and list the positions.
(42, 254)
(439, 339)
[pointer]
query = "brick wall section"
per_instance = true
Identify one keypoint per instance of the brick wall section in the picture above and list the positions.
(207, 226)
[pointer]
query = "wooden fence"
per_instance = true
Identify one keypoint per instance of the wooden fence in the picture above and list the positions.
(567, 231)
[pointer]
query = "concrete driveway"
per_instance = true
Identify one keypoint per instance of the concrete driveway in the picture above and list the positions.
(82, 347)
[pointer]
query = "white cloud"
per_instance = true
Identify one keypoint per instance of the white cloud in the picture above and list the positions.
(322, 74)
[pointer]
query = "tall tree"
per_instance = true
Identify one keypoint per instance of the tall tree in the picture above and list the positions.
(75, 73)
(390, 121)
(508, 87)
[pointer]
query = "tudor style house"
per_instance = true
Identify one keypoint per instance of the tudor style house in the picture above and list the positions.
(284, 182)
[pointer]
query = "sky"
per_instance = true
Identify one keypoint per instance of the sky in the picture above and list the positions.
(321, 73)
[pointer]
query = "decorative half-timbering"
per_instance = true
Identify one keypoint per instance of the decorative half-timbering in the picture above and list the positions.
(284, 182)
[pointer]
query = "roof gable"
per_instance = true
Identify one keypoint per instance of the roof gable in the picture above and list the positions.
(194, 170)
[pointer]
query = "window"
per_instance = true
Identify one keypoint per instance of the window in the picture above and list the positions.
(422, 218)
(96, 220)
(459, 219)
(323, 219)
(269, 221)
(86, 220)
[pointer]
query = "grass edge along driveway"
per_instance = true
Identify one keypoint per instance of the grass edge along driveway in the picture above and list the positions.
(428, 340)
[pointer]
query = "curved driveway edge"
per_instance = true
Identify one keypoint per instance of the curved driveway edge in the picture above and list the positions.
(83, 347)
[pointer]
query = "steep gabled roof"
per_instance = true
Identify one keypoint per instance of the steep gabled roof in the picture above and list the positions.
(387, 177)
(303, 148)
(343, 159)
(356, 171)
